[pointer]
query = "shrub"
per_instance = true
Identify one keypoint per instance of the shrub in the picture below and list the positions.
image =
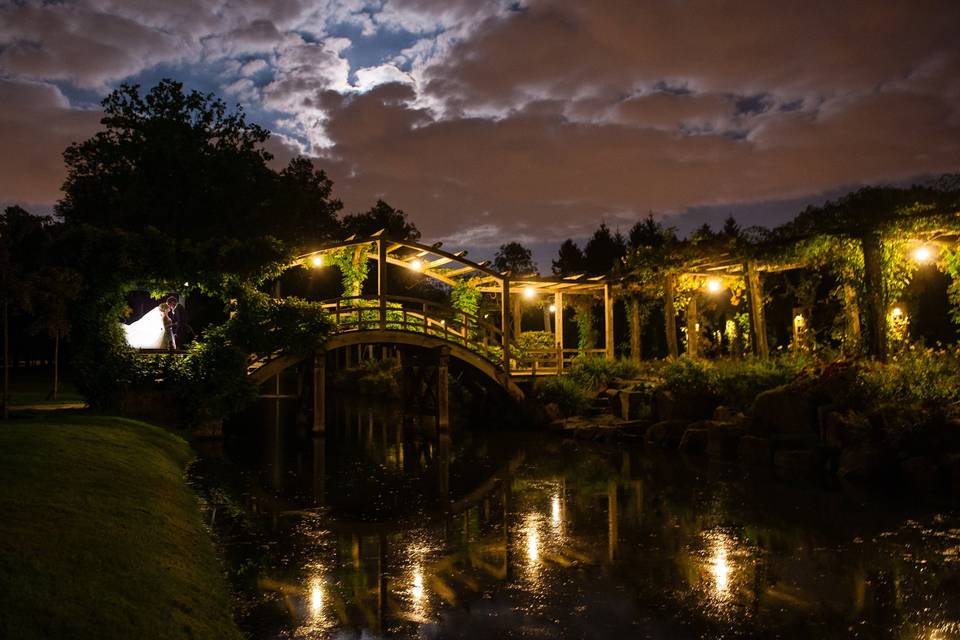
(593, 373)
(565, 392)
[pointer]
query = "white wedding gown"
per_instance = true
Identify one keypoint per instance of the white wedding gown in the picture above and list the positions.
(147, 332)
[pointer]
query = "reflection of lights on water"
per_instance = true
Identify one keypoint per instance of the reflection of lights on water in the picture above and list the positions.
(533, 541)
(416, 590)
(720, 569)
(316, 598)
(555, 510)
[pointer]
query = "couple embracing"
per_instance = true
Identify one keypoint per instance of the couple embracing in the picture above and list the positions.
(174, 323)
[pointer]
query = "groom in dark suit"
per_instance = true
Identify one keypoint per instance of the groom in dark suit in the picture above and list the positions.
(179, 327)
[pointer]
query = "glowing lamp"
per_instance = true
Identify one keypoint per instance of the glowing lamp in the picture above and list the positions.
(553, 308)
(897, 312)
(317, 261)
(714, 285)
(529, 292)
(798, 320)
(416, 264)
(922, 254)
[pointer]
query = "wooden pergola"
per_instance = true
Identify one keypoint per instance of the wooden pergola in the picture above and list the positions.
(454, 268)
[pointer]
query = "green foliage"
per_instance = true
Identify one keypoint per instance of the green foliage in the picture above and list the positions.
(951, 264)
(595, 373)
(734, 383)
(381, 216)
(586, 324)
(371, 378)
(210, 380)
(929, 378)
(515, 258)
(354, 268)
(530, 341)
(563, 391)
(465, 297)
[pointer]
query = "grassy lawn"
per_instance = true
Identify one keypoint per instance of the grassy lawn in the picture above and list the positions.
(32, 386)
(100, 537)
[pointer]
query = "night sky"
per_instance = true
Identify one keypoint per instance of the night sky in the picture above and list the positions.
(533, 120)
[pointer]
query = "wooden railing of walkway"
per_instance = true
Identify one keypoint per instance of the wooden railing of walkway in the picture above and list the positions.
(373, 313)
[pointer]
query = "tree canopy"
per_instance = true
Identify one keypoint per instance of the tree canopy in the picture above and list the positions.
(515, 258)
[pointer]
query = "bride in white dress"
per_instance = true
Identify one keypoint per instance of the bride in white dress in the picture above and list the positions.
(149, 331)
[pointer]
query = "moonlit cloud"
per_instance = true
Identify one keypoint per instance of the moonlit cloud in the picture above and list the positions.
(485, 119)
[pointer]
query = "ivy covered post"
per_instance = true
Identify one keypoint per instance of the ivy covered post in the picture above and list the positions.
(505, 324)
(608, 322)
(558, 324)
(693, 326)
(670, 316)
(635, 344)
(851, 314)
(875, 293)
(382, 281)
(758, 325)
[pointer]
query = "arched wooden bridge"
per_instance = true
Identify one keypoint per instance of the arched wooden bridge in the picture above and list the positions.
(490, 347)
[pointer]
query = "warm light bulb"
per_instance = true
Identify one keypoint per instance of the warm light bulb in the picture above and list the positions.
(897, 312)
(922, 254)
(714, 285)
(317, 261)
(529, 292)
(798, 320)
(416, 264)
(553, 308)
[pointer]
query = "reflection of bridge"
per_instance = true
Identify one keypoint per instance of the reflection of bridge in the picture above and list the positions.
(490, 344)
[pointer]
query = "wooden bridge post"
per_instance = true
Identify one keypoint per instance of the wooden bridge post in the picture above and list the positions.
(382, 281)
(443, 388)
(505, 325)
(670, 316)
(608, 321)
(758, 326)
(319, 393)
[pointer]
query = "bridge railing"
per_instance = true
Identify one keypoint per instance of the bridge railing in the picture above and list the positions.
(415, 315)
(550, 362)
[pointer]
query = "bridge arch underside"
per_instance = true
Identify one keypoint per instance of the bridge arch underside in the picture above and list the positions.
(390, 338)
(458, 353)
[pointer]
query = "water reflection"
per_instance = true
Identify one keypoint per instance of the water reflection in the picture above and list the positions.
(384, 527)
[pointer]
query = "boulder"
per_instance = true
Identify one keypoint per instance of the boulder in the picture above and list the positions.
(920, 472)
(694, 440)
(553, 412)
(785, 409)
(797, 461)
(723, 439)
(845, 429)
(666, 433)
(672, 405)
(634, 405)
(866, 461)
(755, 450)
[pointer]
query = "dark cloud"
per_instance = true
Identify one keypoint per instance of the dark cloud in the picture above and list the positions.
(532, 120)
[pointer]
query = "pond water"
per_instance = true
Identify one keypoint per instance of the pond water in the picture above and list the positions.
(382, 528)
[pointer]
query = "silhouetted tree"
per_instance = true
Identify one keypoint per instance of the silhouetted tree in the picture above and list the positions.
(305, 202)
(515, 258)
(604, 250)
(54, 292)
(731, 229)
(381, 216)
(569, 260)
(650, 233)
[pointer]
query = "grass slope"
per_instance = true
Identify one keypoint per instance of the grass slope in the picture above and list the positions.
(99, 535)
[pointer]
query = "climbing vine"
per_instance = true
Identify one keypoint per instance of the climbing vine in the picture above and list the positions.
(466, 297)
(354, 267)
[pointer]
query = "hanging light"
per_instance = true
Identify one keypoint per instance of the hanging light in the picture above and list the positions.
(317, 260)
(922, 254)
(896, 312)
(416, 264)
(553, 308)
(529, 293)
(714, 285)
(798, 320)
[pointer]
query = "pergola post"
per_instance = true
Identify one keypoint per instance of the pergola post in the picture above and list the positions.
(319, 393)
(876, 299)
(670, 316)
(517, 316)
(505, 324)
(558, 325)
(851, 312)
(635, 346)
(608, 321)
(693, 326)
(758, 326)
(382, 281)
